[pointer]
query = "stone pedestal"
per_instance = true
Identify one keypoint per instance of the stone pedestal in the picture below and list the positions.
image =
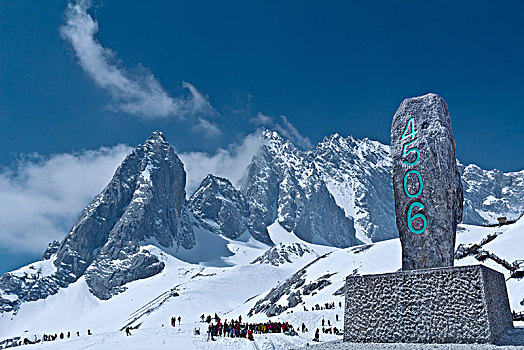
(467, 304)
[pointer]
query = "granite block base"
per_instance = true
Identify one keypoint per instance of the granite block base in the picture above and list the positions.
(466, 304)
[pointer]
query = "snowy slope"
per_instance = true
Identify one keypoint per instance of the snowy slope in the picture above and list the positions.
(231, 291)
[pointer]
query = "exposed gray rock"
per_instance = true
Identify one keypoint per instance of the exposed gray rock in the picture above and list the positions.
(282, 185)
(144, 203)
(427, 185)
(52, 248)
(153, 209)
(358, 174)
(283, 253)
(288, 293)
(489, 194)
(329, 194)
(220, 207)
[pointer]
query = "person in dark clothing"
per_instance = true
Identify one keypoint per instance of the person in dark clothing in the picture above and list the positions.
(322, 322)
(240, 319)
(203, 317)
(179, 319)
(173, 321)
(61, 335)
(68, 334)
(89, 332)
(77, 334)
(317, 336)
(336, 317)
(128, 331)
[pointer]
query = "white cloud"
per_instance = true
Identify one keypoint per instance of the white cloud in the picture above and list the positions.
(284, 127)
(289, 131)
(207, 128)
(230, 163)
(138, 94)
(262, 119)
(41, 197)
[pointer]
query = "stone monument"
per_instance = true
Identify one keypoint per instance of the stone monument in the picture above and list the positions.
(426, 182)
(429, 301)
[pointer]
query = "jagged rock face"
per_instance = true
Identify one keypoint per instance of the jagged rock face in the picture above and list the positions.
(284, 253)
(52, 248)
(299, 189)
(491, 194)
(358, 175)
(426, 182)
(261, 190)
(288, 293)
(145, 201)
(283, 185)
(220, 207)
(152, 206)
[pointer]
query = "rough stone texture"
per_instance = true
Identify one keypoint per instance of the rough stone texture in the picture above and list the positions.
(442, 189)
(356, 173)
(466, 304)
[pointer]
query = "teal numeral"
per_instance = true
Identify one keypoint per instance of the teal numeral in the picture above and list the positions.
(416, 172)
(416, 216)
(410, 124)
(411, 150)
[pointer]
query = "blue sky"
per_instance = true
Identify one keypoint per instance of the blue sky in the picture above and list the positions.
(209, 73)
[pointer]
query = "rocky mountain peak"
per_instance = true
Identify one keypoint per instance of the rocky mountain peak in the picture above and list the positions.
(143, 202)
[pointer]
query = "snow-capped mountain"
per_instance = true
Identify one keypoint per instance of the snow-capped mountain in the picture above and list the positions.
(282, 184)
(323, 279)
(277, 245)
(489, 194)
(358, 175)
(337, 194)
(145, 200)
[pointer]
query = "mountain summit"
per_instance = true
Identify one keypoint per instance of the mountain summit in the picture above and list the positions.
(145, 200)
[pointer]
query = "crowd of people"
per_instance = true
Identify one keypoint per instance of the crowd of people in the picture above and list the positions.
(327, 306)
(236, 329)
(216, 328)
(9, 343)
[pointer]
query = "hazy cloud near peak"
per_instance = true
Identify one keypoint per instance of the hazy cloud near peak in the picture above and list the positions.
(284, 127)
(41, 197)
(230, 162)
(138, 94)
(207, 128)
